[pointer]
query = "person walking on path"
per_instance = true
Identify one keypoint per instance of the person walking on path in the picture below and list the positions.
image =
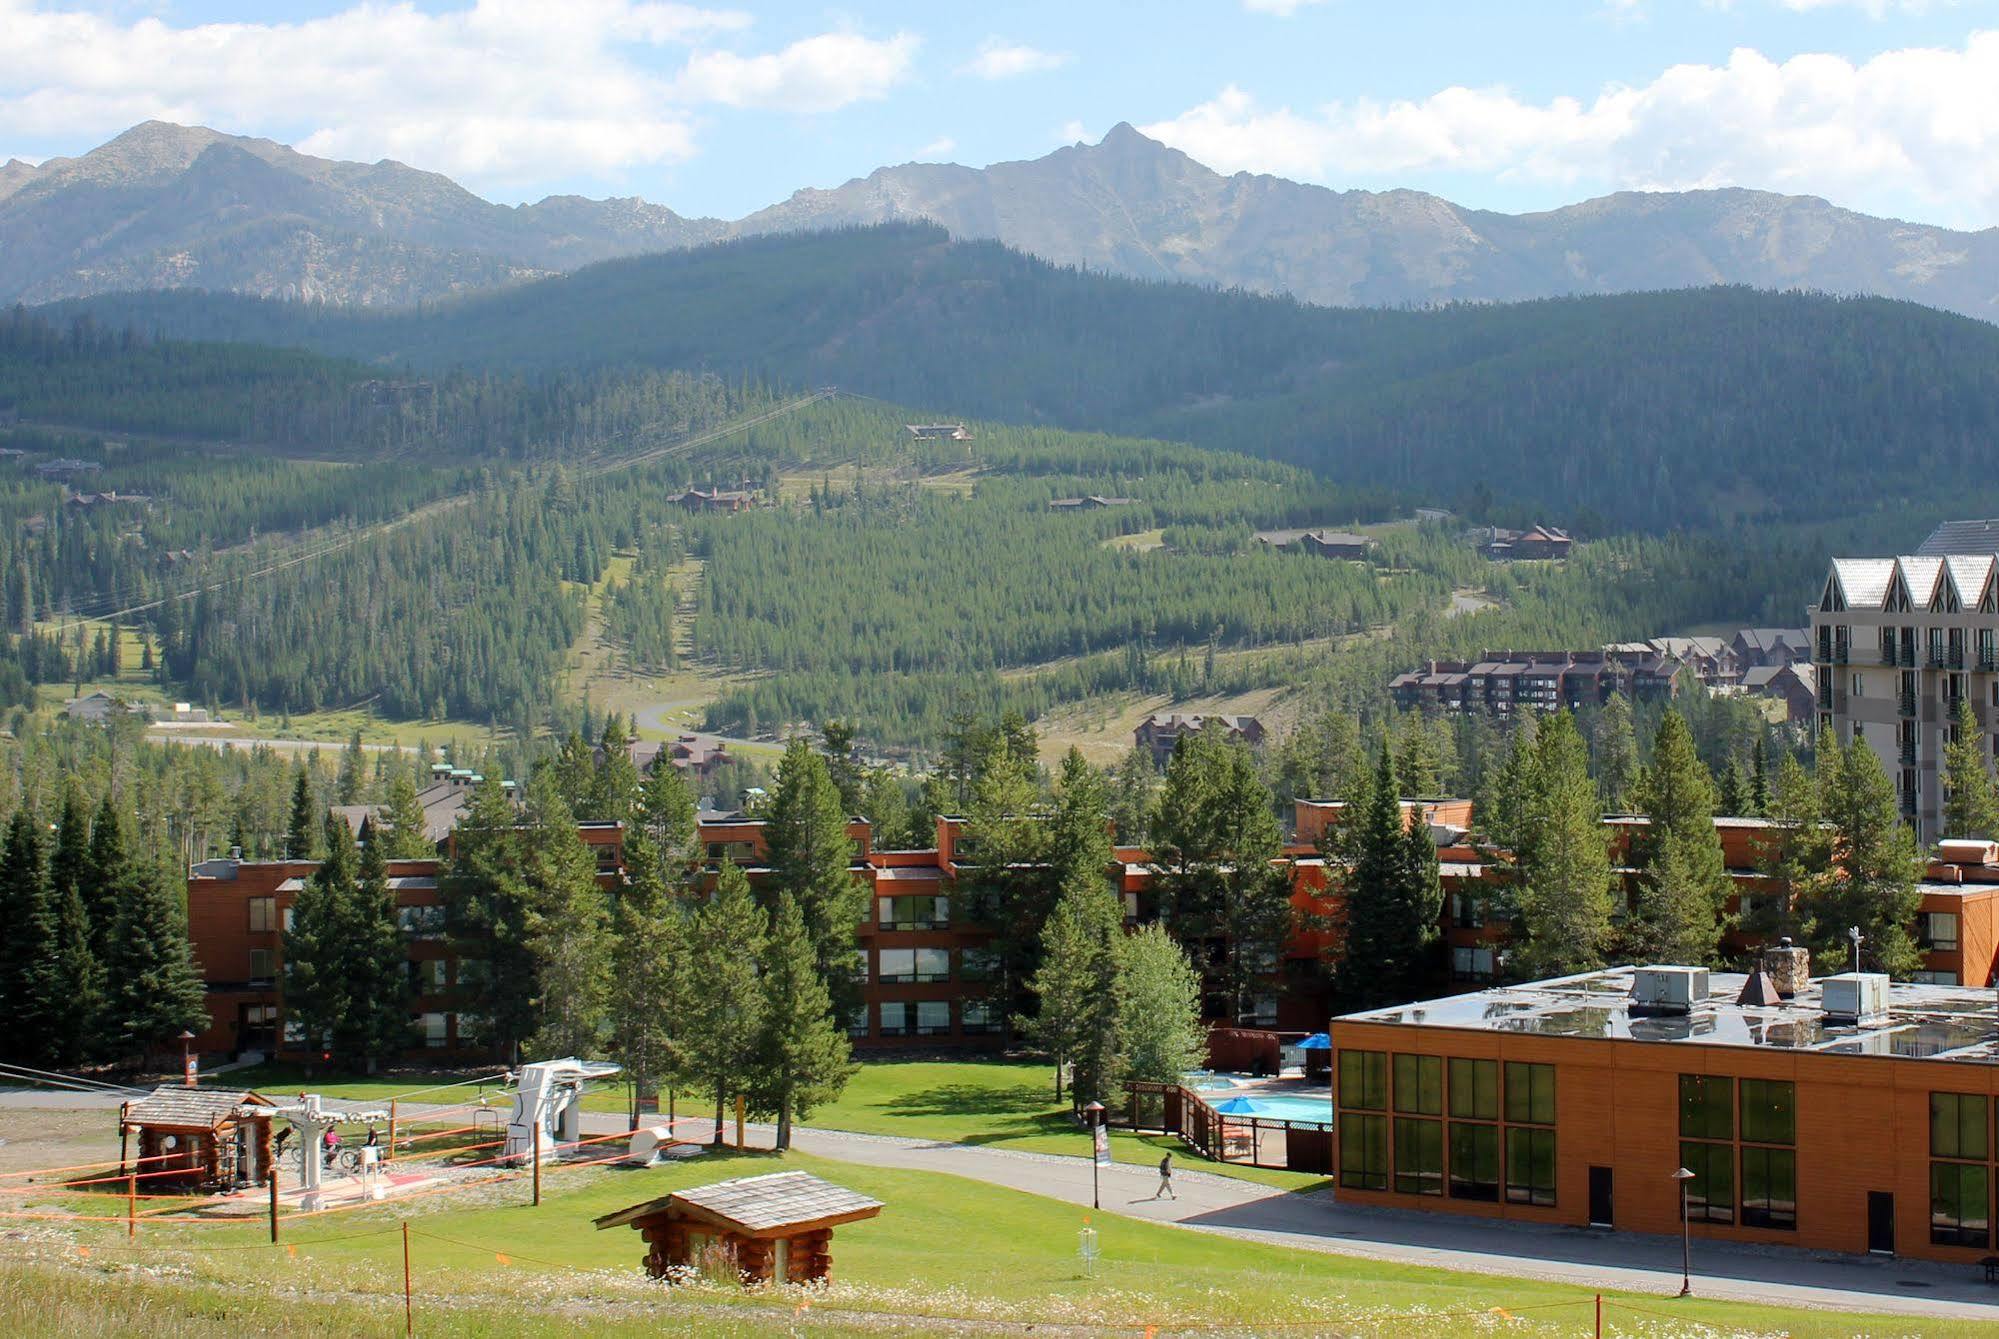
(1165, 1179)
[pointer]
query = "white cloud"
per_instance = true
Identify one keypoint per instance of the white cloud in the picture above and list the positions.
(1283, 9)
(1912, 126)
(818, 74)
(999, 59)
(936, 148)
(499, 93)
(1073, 132)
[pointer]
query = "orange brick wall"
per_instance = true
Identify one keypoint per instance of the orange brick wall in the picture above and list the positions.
(1862, 1125)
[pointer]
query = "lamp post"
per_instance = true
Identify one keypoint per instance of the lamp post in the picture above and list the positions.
(1094, 1114)
(1683, 1176)
(188, 1072)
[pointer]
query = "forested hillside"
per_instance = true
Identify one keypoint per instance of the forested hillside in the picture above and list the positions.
(1689, 408)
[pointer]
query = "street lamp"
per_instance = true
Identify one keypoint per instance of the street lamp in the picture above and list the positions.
(187, 1066)
(1099, 1145)
(1683, 1176)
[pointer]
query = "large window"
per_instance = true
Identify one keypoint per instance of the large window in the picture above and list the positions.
(933, 1018)
(1960, 1190)
(901, 966)
(975, 1017)
(1768, 1111)
(1711, 1194)
(927, 912)
(977, 964)
(1960, 1204)
(1530, 1165)
(421, 922)
(1475, 1089)
(1707, 1107)
(1769, 1187)
(1419, 1085)
(1530, 1094)
(427, 976)
(1419, 1156)
(1364, 1151)
(263, 964)
(1474, 1161)
(1937, 930)
(894, 1019)
(263, 915)
(436, 1030)
(1364, 1080)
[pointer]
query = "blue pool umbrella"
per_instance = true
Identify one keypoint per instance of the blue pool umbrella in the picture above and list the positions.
(1235, 1106)
(1318, 1041)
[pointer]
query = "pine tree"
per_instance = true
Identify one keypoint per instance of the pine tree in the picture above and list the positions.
(615, 788)
(399, 827)
(376, 1025)
(105, 869)
(651, 987)
(1215, 837)
(486, 900)
(1795, 853)
(1971, 801)
(318, 947)
(1075, 1019)
(1416, 758)
(1875, 869)
(567, 927)
(726, 1017)
(574, 772)
(1079, 838)
(28, 948)
(1391, 903)
(1680, 903)
(666, 817)
(811, 858)
(803, 1054)
(155, 985)
(76, 984)
(1732, 796)
(1158, 1006)
(301, 832)
(1759, 780)
(1614, 746)
(1563, 864)
(1132, 784)
(843, 763)
(353, 773)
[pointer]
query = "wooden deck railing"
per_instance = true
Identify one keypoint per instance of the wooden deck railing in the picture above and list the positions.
(1259, 1141)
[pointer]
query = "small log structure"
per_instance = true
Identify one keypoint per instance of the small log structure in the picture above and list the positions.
(763, 1228)
(215, 1138)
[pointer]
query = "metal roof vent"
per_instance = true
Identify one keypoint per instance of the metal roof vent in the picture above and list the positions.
(1667, 990)
(1854, 998)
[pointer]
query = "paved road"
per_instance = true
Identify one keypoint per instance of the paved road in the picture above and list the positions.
(1316, 1221)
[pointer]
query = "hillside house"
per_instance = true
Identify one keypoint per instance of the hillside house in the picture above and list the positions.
(1539, 541)
(1319, 543)
(1771, 646)
(715, 499)
(1160, 731)
(1094, 502)
(938, 432)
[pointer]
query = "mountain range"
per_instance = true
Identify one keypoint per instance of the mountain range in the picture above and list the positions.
(166, 206)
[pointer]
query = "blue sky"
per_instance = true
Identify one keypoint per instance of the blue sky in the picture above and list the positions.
(1891, 106)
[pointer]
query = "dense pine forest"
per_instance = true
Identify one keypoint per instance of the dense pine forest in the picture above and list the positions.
(1692, 408)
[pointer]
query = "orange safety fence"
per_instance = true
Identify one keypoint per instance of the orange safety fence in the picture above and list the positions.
(88, 1166)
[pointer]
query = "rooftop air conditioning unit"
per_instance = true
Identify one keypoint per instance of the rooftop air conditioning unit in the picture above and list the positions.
(1854, 997)
(1668, 990)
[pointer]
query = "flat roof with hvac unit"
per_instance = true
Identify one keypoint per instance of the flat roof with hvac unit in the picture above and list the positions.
(1843, 1113)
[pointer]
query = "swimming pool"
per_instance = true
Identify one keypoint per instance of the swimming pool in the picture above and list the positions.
(1318, 1109)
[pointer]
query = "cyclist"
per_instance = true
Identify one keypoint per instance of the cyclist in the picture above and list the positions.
(332, 1145)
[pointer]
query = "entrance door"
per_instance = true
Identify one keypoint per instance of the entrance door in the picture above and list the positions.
(1880, 1222)
(1599, 1197)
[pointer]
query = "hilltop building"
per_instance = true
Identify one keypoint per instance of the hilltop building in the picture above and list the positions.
(1540, 541)
(1159, 732)
(1503, 684)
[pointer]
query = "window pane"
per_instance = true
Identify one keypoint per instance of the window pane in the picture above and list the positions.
(1364, 1152)
(1768, 1115)
(1957, 1125)
(933, 1018)
(1769, 1187)
(1706, 1107)
(1530, 1166)
(1711, 1194)
(1475, 1089)
(1474, 1162)
(1419, 1084)
(933, 964)
(1960, 1194)
(1419, 1156)
(1530, 1093)
(894, 1019)
(1364, 1080)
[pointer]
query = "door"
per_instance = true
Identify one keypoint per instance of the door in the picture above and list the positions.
(1599, 1198)
(1880, 1222)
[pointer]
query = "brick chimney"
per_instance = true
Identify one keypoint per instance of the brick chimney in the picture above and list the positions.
(1790, 967)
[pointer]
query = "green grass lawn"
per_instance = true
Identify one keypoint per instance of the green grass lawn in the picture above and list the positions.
(944, 1247)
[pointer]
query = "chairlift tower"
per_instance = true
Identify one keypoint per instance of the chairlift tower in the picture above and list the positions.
(311, 1121)
(548, 1104)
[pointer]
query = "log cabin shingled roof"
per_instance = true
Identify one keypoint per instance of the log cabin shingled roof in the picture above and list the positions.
(760, 1204)
(172, 1105)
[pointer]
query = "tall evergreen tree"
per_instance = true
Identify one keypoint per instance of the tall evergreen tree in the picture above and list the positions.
(352, 778)
(318, 947)
(614, 790)
(727, 1018)
(1392, 901)
(1614, 751)
(651, 987)
(1215, 838)
(1794, 853)
(843, 763)
(811, 858)
(1871, 883)
(155, 984)
(1971, 800)
(1563, 863)
(487, 910)
(1005, 842)
(399, 827)
(1684, 888)
(376, 1025)
(567, 927)
(105, 870)
(76, 983)
(1074, 986)
(1759, 779)
(301, 831)
(803, 1054)
(28, 947)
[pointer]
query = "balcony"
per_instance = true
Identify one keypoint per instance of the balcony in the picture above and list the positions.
(1988, 661)
(1905, 753)
(1935, 659)
(1842, 652)
(1954, 658)
(1905, 702)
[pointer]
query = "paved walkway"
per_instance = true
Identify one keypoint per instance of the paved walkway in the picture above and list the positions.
(1316, 1221)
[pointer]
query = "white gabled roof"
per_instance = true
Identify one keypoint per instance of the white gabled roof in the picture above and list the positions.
(1864, 581)
(1921, 575)
(1969, 573)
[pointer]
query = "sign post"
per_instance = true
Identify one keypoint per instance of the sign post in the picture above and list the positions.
(190, 1063)
(1100, 1149)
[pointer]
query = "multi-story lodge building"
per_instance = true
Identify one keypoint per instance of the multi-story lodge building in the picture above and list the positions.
(1503, 684)
(1898, 643)
(923, 953)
